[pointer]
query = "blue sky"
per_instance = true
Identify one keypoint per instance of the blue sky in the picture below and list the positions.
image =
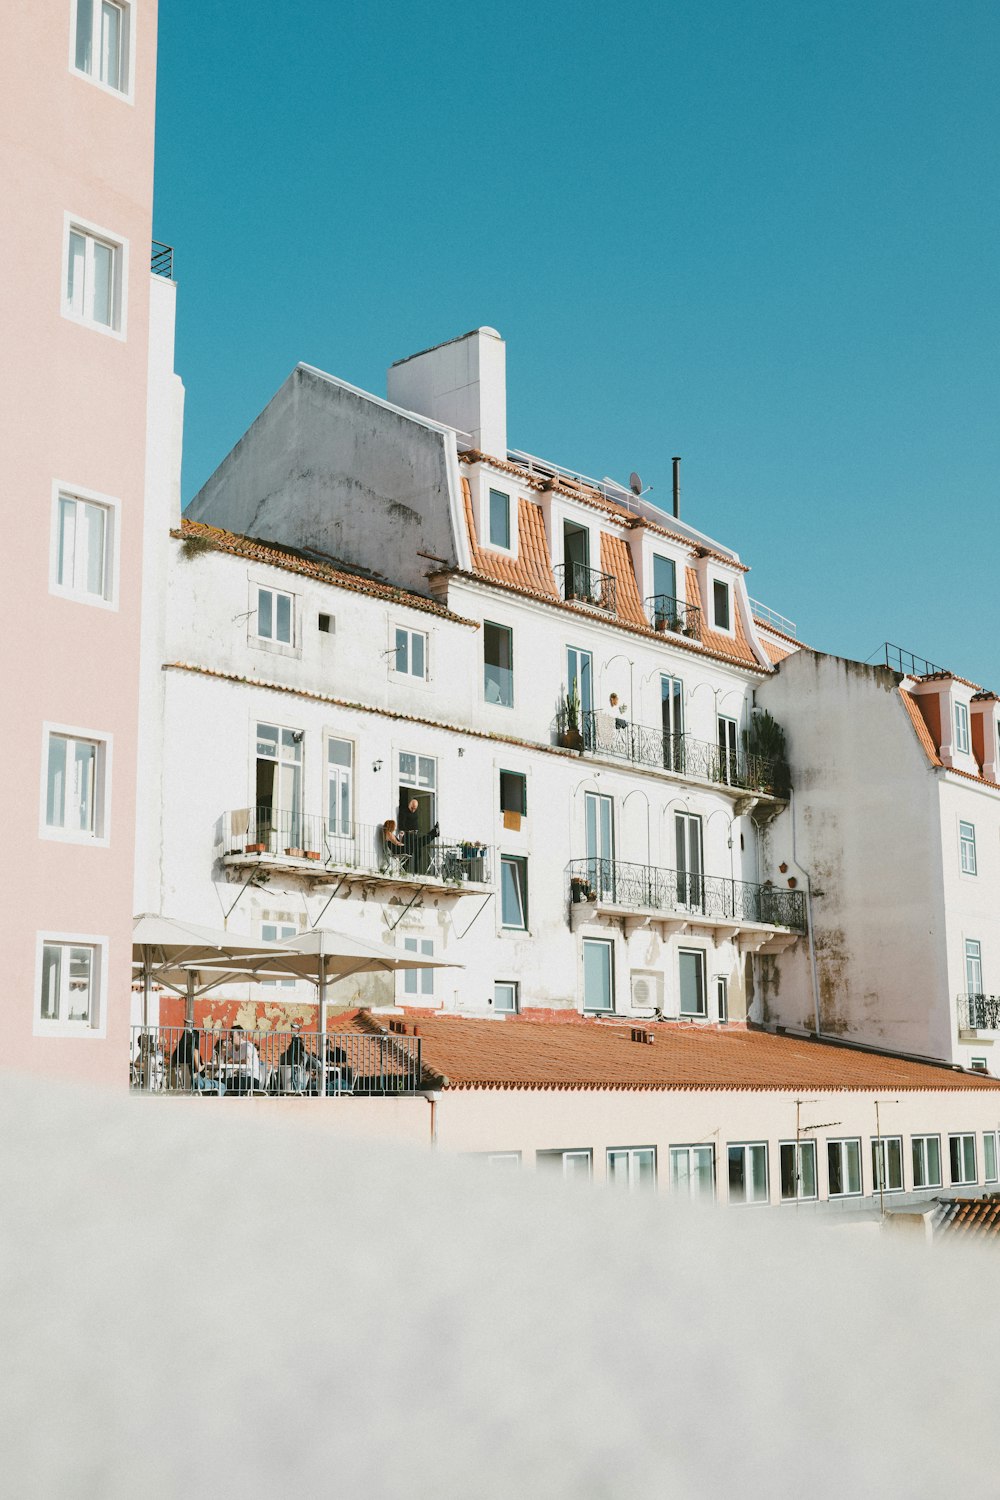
(765, 236)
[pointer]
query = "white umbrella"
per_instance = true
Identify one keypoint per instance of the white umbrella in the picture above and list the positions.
(171, 952)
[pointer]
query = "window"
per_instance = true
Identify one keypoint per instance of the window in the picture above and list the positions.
(69, 998)
(278, 788)
(94, 279)
(506, 997)
(722, 997)
(84, 544)
(962, 1151)
(798, 1170)
(75, 776)
(720, 604)
(748, 1173)
(978, 1065)
(598, 975)
(498, 664)
(580, 680)
(574, 1164)
(410, 656)
(925, 1153)
(632, 1167)
(989, 1156)
(326, 624)
(728, 733)
(843, 1159)
(887, 1164)
(692, 1171)
(499, 519)
(274, 616)
(514, 793)
(973, 967)
(690, 860)
(513, 891)
(418, 981)
(961, 728)
(339, 783)
(665, 590)
(691, 963)
(101, 42)
(967, 844)
(503, 1158)
(276, 932)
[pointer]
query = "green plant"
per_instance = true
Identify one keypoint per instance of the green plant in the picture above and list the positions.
(194, 546)
(765, 741)
(568, 713)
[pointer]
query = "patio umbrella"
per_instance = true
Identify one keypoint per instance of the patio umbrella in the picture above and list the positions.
(171, 952)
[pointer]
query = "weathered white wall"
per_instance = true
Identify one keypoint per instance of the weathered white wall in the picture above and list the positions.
(462, 383)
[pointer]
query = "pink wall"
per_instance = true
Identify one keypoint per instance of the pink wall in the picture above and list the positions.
(73, 410)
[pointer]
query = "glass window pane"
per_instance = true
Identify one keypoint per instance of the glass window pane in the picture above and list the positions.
(597, 991)
(111, 40)
(283, 626)
(788, 1177)
(84, 35)
(990, 1156)
(645, 1168)
(702, 1170)
(807, 1169)
(51, 980)
(511, 893)
(933, 1162)
(618, 1168)
(104, 290)
(852, 1152)
(758, 1167)
(417, 655)
(339, 752)
(737, 1175)
(84, 768)
(499, 519)
(265, 614)
(402, 651)
(692, 977)
(577, 1164)
(505, 997)
(894, 1166)
(969, 1150)
(833, 1161)
(94, 517)
(67, 541)
(55, 800)
(267, 741)
(75, 276)
(80, 974)
(498, 674)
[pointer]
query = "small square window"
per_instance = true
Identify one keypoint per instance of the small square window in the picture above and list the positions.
(513, 891)
(84, 549)
(410, 656)
(499, 519)
(274, 616)
(978, 1065)
(327, 624)
(101, 42)
(720, 604)
(506, 997)
(92, 292)
(75, 775)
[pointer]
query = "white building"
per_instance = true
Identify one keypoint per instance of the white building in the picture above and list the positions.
(423, 605)
(894, 832)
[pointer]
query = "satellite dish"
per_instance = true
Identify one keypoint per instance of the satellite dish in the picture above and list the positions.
(635, 483)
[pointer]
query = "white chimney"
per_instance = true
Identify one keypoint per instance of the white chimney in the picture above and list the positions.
(462, 383)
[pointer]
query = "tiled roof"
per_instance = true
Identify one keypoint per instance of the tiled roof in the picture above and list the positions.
(971, 1218)
(738, 647)
(920, 725)
(944, 676)
(616, 559)
(775, 650)
(275, 556)
(531, 568)
(523, 1053)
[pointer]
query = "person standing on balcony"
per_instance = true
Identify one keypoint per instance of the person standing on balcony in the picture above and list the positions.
(415, 841)
(620, 711)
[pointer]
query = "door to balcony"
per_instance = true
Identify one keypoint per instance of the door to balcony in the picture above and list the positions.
(279, 788)
(417, 784)
(576, 558)
(580, 684)
(599, 813)
(729, 731)
(690, 861)
(339, 800)
(672, 716)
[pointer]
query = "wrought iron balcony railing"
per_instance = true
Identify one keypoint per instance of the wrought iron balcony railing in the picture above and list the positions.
(666, 613)
(607, 733)
(262, 832)
(170, 1060)
(621, 883)
(979, 1012)
(161, 260)
(582, 585)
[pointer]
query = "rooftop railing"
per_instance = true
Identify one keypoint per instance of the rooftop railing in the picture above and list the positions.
(312, 842)
(904, 662)
(161, 260)
(668, 614)
(580, 584)
(771, 617)
(648, 887)
(605, 733)
(979, 1012)
(276, 1064)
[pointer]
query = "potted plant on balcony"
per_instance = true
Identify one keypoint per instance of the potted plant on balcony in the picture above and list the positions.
(580, 889)
(568, 718)
(764, 747)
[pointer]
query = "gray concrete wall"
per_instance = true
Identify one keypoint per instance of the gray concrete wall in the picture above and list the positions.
(325, 466)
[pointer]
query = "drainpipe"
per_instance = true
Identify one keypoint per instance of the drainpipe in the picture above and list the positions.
(433, 1099)
(809, 915)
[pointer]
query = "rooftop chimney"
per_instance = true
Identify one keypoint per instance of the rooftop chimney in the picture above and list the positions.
(462, 383)
(677, 488)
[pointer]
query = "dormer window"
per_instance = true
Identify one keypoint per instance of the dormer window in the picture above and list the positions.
(721, 612)
(499, 519)
(961, 729)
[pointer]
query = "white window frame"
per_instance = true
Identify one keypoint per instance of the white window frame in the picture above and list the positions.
(514, 986)
(840, 1143)
(963, 1181)
(118, 327)
(991, 1170)
(693, 1191)
(490, 488)
(502, 1158)
(722, 998)
(879, 1160)
(508, 631)
(284, 928)
(727, 584)
(746, 1147)
(410, 631)
(519, 861)
(961, 721)
(802, 1148)
(592, 1010)
(693, 1015)
(101, 836)
(130, 7)
(418, 984)
(96, 1027)
(272, 642)
(335, 771)
(631, 1179)
(112, 545)
(918, 1147)
(572, 1154)
(967, 848)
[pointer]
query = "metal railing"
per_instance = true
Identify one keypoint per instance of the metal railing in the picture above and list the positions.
(606, 733)
(161, 260)
(666, 613)
(771, 617)
(235, 1063)
(979, 1012)
(582, 585)
(263, 833)
(621, 883)
(904, 662)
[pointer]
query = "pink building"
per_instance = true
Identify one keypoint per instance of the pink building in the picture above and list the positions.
(76, 155)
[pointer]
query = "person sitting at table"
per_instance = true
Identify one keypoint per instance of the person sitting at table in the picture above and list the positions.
(187, 1054)
(295, 1064)
(243, 1062)
(395, 844)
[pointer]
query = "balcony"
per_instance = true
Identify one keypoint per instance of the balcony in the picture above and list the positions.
(161, 260)
(666, 614)
(296, 843)
(579, 584)
(274, 1064)
(979, 1012)
(764, 918)
(606, 734)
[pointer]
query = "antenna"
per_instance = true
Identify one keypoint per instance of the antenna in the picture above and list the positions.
(635, 483)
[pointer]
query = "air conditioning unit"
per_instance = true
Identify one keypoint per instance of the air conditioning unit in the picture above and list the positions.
(646, 991)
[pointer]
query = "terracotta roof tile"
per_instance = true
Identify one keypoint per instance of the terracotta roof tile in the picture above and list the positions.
(972, 1218)
(275, 556)
(589, 1054)
(531, 568)
(775, 650)
(920, 725)
(738, 648)
(616, 559)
